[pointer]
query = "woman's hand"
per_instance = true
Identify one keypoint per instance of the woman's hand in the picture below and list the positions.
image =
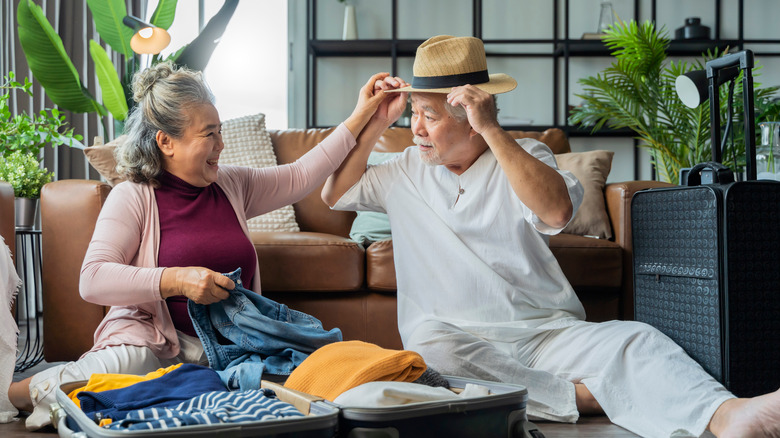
(370, 98)
(201, 285)
(394, 104)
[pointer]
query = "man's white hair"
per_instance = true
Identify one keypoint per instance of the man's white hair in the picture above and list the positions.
(459, 113)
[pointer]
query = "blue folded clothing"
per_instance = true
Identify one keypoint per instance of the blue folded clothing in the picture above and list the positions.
(170, 389)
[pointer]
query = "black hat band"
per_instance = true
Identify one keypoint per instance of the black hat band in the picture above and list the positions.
(431, 82)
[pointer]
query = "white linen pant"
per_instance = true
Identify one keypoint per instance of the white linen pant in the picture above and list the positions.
(643, 380)
(122, 359)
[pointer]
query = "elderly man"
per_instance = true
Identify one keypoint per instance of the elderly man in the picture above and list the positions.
(479, 292)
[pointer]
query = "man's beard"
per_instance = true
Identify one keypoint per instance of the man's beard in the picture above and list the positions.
(431, 156)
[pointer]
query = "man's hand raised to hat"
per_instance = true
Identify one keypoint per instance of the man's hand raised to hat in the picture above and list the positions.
(479, 106)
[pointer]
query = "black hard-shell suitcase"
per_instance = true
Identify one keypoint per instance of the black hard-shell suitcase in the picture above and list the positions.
(707, 274)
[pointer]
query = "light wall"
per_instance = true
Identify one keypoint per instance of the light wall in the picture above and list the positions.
(339, 78)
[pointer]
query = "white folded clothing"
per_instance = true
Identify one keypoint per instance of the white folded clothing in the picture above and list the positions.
(9, 285)
(383, 394)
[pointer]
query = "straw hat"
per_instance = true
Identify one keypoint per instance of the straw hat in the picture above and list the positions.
(445, 61)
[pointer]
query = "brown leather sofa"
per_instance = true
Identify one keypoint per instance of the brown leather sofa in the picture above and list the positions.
(319, 270)
(7, 215)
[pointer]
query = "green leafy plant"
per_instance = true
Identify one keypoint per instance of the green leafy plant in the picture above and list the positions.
(29, 133)
(53, 68)
(637, 91)
(22, 170)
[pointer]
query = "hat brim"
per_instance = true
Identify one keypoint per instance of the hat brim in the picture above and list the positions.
(498, 83)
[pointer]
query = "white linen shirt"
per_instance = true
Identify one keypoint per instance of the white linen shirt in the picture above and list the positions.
(467, 251)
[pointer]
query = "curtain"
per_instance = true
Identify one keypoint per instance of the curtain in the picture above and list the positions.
(72, 20)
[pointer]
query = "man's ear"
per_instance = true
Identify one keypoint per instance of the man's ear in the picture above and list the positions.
(472, 132)
(164, 143)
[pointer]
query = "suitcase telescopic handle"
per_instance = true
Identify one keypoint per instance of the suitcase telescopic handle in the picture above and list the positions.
(719, 174)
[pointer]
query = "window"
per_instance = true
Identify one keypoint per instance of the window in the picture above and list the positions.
(248, 69)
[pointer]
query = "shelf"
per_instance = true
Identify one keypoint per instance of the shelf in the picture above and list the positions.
(676, 47)
(350, 48)
(408, 48)
(575, 131)
(696, 48)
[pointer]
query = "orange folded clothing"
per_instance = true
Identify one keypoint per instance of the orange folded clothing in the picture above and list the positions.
(341, 366)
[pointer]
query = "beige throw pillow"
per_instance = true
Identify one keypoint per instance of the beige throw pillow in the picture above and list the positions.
(592, 169)
(101, 157)
(247, 143)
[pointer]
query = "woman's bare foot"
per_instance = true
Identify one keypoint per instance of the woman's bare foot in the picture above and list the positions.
(19, 394)
(748, 417)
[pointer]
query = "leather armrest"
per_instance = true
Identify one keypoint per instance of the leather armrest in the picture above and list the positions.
(617, 197)
(69, 211)
(7, 216)
(307, 261)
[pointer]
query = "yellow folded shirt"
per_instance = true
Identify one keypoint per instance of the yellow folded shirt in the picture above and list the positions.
(103, 382)
(340, 366)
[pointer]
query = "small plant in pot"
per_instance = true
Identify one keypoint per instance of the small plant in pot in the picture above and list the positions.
(22, 137)
(637, 91)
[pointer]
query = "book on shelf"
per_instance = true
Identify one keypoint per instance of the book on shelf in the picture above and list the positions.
(592, 36)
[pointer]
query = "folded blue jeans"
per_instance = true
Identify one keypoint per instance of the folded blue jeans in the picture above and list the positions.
(265, 336)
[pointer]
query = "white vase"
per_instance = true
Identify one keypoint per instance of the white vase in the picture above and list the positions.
(350, 23)
(26, 210)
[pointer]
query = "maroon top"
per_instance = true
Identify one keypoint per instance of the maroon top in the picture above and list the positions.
(198, 227)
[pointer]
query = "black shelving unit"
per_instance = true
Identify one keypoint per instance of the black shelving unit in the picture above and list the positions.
(563, 51)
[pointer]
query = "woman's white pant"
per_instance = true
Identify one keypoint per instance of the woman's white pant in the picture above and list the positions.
(122, 359)
(643, 380)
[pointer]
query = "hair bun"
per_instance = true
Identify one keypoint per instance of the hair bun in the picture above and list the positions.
(144, 80)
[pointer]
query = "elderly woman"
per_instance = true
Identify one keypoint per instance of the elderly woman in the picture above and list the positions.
(165, 236)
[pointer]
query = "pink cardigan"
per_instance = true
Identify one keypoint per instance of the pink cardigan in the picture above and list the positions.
(120, 267)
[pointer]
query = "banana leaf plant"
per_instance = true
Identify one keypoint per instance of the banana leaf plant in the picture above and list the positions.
(52, 67)
(637, 91)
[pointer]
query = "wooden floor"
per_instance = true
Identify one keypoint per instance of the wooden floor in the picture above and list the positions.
(592, 427)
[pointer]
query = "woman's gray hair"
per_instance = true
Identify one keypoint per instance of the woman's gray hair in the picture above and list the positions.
(162, 93)
(459, 113)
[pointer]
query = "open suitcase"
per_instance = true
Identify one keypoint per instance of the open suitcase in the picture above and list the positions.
(321, 421)
(500, 414)
(706, 274)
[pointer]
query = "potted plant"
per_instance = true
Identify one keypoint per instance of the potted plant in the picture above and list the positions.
(54, 69)
(25, 174)
(21, 138)
(637, 91)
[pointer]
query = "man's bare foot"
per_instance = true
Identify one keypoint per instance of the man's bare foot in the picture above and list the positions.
(748, 417)
(586, 403)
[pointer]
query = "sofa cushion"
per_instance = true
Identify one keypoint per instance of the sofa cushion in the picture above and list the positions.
(101, 157)
(380, 266)
(309, 262)
(370, 226)
(592, 169)
(247, 143)
(587, 263)
(311, 212)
